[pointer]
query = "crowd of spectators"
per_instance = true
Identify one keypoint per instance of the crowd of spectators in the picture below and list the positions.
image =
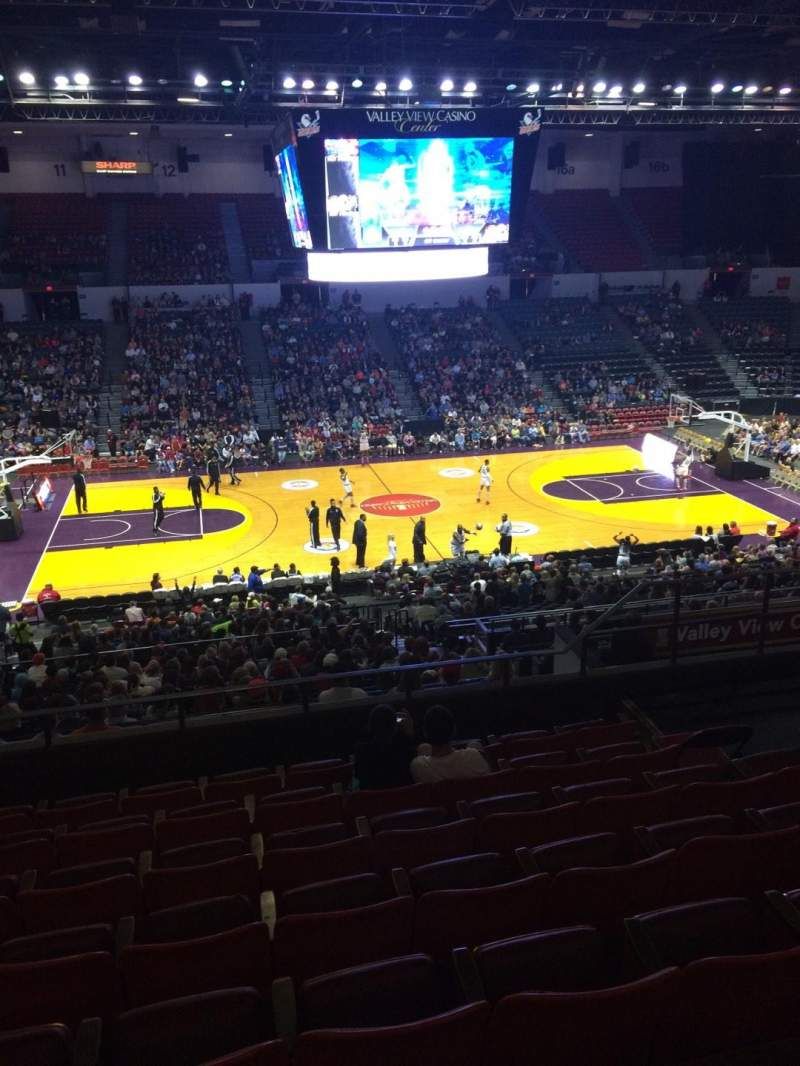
(594, 392)
(464, 374)
(184, 375)
(167, 255)
(330, 385)
(564, 326)
(254, 640)
(53, 258)
(661, 325)
(776, 438)
(50, 379)
(743, 336)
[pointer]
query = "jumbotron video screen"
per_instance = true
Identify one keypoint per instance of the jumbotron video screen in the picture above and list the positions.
(293, 199)
(421, 192)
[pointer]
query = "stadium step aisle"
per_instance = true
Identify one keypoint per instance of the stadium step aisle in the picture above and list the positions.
(385, 343)
(234, 242)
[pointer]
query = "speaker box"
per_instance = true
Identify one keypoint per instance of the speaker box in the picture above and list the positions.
(556, 156)
(269, 159)
(182, 160)
(630, 155)
(4, 167)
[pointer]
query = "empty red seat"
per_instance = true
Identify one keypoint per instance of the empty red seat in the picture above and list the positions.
(78, 815)
(372, 804)
(66, 876)
(278, 817)
(414, 847)
(724, 797)
(597, 849)
(665, 835)
(306, 945)
(85, 904)
(707, 867)
(506, 832)
(555, 960)
(284, 869)
(311, 835)
(607, 1027)
(327, 773)
(78, 940)
(782, 817)
(129, 841)
(416, 818)
(186, 884)
(238, 958)
(149, 802)
(466, 871)
(764, 762)
(58, 990)
(15, 823)
(200, 854)
(40, 1045)
(676, 936)
(389, 992)
(508, 803)
(189, 1030)
(238, 787)
(202, 810)
(341, 893)
(270, 1053)
(448, 793)
(189, 921)
(182, 832)
(16, 858)
(619, 814)
(685, 775)
(452, 1039)
(614, 786)
(604, 896)
(466, 917)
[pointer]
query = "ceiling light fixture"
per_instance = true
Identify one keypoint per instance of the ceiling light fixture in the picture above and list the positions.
(470, 86)
(784, 90)
(289, 82)
(307, 84)
(533, 88)
(357, 83)
(750, 90)
(226, 83)
(599, 87)
(26, 77)
(380, 86)
(61, 81)
(405, 85)
(639, 87)
(447, 85)
(331, 86)
(200, 81)
(717, 87)
(680, 89)
(135, 80)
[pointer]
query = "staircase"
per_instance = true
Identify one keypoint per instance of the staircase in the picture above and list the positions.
(255, 360)
(743, 385)
(115, 340)
(512, 341)
(234, 242)
(382, 340)
(634, 345)
(118, 243)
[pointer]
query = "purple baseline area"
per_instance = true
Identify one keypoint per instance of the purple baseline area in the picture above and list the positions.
(19, 558)
(115, 528)
(624, 487)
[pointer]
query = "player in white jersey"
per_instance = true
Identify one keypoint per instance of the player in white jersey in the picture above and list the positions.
(486, 481)
(683, 472)
(347, 485)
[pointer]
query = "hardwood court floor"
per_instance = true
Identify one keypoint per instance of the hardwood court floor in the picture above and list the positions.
(556, 499)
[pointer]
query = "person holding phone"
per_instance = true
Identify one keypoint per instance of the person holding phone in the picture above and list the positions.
(384, 760)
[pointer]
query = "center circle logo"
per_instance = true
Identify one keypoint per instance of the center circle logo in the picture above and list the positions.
(299, 484)
(456, 471)
(400, 504)
(524, 529)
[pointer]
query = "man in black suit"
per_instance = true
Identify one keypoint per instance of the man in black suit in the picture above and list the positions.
(360, 540)
(158, 509)
(312, 513)
(79, 481)
(213, 471)
(419, 540)
(334, 517)
(195, 484)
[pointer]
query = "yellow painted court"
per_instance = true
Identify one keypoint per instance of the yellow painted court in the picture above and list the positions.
(556, 500)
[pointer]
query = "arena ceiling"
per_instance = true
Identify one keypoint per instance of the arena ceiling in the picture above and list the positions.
(240, 60)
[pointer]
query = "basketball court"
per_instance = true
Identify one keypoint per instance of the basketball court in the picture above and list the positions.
(568, 499)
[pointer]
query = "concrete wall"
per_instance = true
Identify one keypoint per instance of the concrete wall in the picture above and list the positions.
(264, 294)
(95, 302)
(764, 281)
(13, 301)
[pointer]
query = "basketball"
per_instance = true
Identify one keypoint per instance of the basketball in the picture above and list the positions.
(479, 525)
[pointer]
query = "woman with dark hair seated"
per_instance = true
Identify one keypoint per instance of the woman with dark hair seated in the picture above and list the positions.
(383, 761)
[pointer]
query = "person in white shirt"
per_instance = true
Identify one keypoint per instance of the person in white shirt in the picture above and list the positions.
(347, 486)
(485, 483)
(438, 760)
(458, 542)
(391, 551)
(134, 613)
(504, 528)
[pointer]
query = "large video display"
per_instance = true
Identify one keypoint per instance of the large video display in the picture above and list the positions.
(293, 199)
(420, 192)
